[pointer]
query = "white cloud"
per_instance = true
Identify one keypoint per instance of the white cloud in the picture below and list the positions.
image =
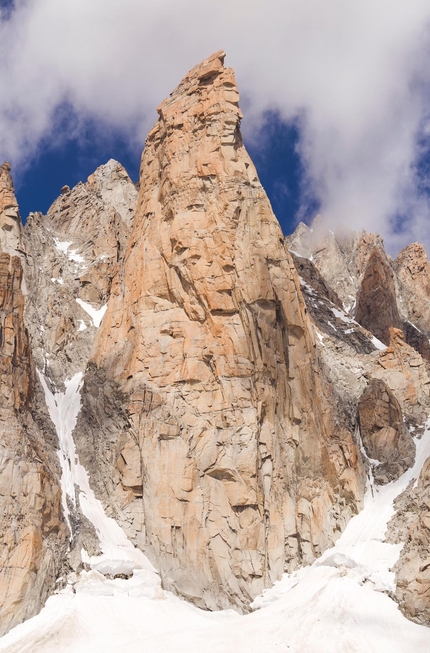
(356, 71)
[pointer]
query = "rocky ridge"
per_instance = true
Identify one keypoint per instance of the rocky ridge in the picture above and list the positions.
(238, 387)
(50, 328)
(206, 359)
(396, 375)
(71, 258)
(33, 534)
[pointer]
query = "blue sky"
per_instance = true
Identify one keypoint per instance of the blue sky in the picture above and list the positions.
(273, 152)
(38, 183)
(6, 6)
(335, 95)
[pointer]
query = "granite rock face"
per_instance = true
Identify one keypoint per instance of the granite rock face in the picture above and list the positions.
(235, 394)
(68, 259)
(10, 221)
(377, 301)
(341, 258)
(384, 435)
(207, 345)
(412, 270)
(378, 292)
(321, 246)
(72, 255)
(411, 525)
(384, 392)
(33, 537)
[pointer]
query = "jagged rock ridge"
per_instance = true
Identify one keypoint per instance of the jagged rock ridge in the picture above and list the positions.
(66, 257)
(228, 386)
(207, 343)
(33, 534)
(375, 281)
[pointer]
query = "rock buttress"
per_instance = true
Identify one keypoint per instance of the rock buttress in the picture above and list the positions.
(228, 437)
(376, 300)
(384, 434)
(32, 535)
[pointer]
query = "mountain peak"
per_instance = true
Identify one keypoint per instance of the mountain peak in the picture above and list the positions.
(204, 74)
(10, 220)
(207, 94)
(211, 401)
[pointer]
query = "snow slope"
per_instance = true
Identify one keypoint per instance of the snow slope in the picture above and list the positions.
(95, 315)
(119, 556)
(337, 605)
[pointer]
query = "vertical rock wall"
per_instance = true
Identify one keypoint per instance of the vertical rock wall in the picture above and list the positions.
(376, 300)
(395, 400)
(214, 429)
(33, 536)
(228, 437)
(10, 221)
(72, 254)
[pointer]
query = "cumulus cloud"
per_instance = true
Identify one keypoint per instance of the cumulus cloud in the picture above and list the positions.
(353, 74)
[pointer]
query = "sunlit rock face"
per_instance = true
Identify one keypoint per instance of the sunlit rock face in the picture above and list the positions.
(376, 301)
(377, 291)
(10, 221)
(387, 390)
(413, 271)
(413, 279)
(236, 398)
(384, 434)
(411, 525)
(72, 254)
(46, 269)
(204, 376)
(33, 537)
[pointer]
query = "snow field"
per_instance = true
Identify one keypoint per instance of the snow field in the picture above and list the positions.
(95, 315)
(338, 605)
(119, 556)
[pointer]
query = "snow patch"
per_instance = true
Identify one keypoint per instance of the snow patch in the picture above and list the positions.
(63, 410)
(77, 258)
(320, 337)
(306, 286)
(119, 556)
(348, 320)
(336, 605)
(293, 251)
(342, 316)
(414, 325)
(82, 325)
(362, 542)
(62, 246)
(378, 344)
(96, 315)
